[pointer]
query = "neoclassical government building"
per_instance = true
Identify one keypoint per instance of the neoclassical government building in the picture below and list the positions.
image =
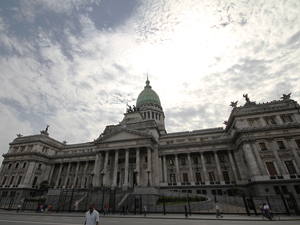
(258, 152)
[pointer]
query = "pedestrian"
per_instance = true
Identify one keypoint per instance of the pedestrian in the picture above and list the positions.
(106, 209)
(185, 211)
(218, 211)
(145, 210)
(37, 208)
(123, 210)
(41, 208)
(49, 208)
(261, 207)
(19, 207)
(267, 211)
(91, 216)
(45, 208)
(127, 209)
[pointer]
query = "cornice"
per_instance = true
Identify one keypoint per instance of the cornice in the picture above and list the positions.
(195, 144)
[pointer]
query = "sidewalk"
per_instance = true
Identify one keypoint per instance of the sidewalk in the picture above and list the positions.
(237, 217)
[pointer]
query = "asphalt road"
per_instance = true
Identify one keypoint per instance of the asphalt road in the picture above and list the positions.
(66, 220)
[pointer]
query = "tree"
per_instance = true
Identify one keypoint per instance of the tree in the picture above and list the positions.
(44, 186)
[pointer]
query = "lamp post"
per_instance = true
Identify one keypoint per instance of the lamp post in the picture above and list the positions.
(148, 171)
(92, 175)
(102, 174)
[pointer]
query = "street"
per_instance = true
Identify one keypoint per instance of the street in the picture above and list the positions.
(9, 219)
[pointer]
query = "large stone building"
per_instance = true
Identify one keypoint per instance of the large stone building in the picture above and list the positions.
(257, 152)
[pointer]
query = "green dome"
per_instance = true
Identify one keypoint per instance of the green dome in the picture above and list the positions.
(147, 96)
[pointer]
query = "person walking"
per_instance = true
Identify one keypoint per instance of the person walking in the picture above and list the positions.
(19, 207)
(91, 216)
(127, 209)
(123, 210)
(145, 210)
(185, 211)
(106, 209)
(218, 211)
(267, 211)
(49, 208)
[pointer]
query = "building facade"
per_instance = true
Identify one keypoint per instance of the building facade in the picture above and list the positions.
(258, 152)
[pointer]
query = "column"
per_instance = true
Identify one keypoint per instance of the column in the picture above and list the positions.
(293, 147)
(177, 170)
(105, 167)
(116, 168)
(160, 170)
(204, 168)
(51, 174)
(149, 164)
(17, 175)
(277, 158)
(192, 180)
(126, 167)
(138, 174)
(59, 173)
(84, 174)
(76, 175)
(96, 170)
(260, 162)
(67, 175)
(232, 164)
(220, 175)
(165, 169)
(33, 173)
(240, 166)
(251, 161)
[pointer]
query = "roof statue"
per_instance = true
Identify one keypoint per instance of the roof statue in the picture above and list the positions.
(19, 135)
(233, 104)
(246, 97)
(45, 131)
(225, 122)
(285, 97)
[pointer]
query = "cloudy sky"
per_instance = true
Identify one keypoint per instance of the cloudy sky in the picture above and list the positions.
(73, 64)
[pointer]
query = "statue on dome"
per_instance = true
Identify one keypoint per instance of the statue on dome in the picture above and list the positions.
(45, 131)
(233, 104)
(246, 97)
(285, 97)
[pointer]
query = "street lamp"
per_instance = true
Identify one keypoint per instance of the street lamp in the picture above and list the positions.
(148, 171)
(92, 175)
(102, 173)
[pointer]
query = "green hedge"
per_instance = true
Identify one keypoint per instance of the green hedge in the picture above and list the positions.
(180, 199)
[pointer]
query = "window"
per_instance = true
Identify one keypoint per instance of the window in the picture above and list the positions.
(213, 192)
(180, 141)
(280, 145)
(171, 162)
(271, 168)
(19, 181)
(4, 180)
(204, 192)
(221, 158)
(284, 190)
(108, 163)
(192, 140)
(17, 165)
(195, 159)
(132, 160)
(297, 189)
(11, 180)
(152, 115)
(169, 142)
(185, 177)
(146, 159)
(24, 165)
(9, 166)
(263, 146)
(156, 116)
(34, 181)
(208, 160)
(277, 190)
(148, 115)
(159, 116)
(286, 118)
(198, 177)
(270, 120)
(62, 169)
(182, 161)
(145, 115)
(298, 143)
(40, 165)
(219, 192)
(290, 167)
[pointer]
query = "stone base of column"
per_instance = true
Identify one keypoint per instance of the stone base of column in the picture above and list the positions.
(178, 183)
(114, 187)
(286, 176)
(25, 186)
(192, 183)
(163, 184)
(125, 187)
(207, 182)
(222, 182)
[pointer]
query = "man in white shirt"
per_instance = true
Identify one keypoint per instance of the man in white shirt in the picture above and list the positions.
(91, 216)
(218, 211)
(267, 211)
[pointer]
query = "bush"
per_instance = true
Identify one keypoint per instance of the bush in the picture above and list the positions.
(202, 198)
(184, 199)
(197, 199)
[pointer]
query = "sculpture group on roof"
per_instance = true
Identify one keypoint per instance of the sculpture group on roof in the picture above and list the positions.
(131, 109)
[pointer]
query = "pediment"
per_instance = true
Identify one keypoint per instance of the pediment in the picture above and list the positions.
(123, 135)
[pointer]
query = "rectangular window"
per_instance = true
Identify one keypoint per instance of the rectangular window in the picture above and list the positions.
(59, 183)
(152, 115)
(277, 190)
(185, 178)
(171, 161)
(4, 180)
(159, 116)
(198, 177)
(11, 180)
(219, 192)
(156, 116)
(290, 167)
(20, 179)
(9, 166)
(17, 165)
(204, 192)
(146, 159)
(144, 115)
(172, 178)
(271, 168)
(298, 143)
(108, 163)
(195, 159)
(263, 146)
(280, 145)
(24, 165)
(297, 189)
(40, 165)
(272, 120)
(208, 160)
(148, 115)
(226, 176)
(221, 158)
(182, 161)
(34, 181)
(211, 176)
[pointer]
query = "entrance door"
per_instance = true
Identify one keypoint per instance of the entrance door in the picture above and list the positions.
(172, 178)
(185, 178)
(198, 177)
(212, 176)
(226, 176)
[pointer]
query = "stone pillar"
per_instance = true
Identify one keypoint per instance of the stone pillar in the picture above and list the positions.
(58, 176)
(160, 170)
(16, 176)
(29, 174)
(138, 166)
(165, 169)
(149, 164)
(126, 167)
(277, 158)
(220, 175)
(293, 147)
(84, 174)
(115, 177)
(232, 164)
(96, 178)
(76, 175)
(51, 174)
(251, 161)
(259, 160)
(67, 175)
(105, 167)
(206, 178)
(177, 170)
(240, 166)
(192, 180)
